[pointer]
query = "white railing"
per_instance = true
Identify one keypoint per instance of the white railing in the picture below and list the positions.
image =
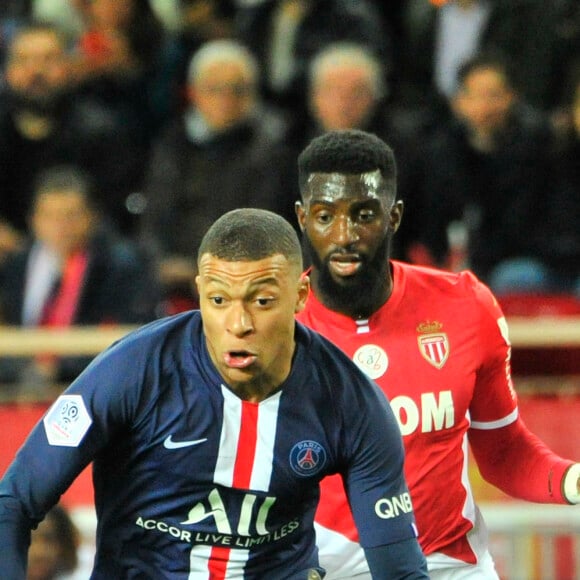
(540, 332)
(534, 541)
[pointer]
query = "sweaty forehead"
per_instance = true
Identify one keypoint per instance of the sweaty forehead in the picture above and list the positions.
(270, 268)
(334, 186)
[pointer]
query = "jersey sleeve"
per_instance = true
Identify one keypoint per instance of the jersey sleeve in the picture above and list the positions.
(403, 560)
(508, 455)
(494, 402)
(516, 461)
(75, 428)
(374, 479)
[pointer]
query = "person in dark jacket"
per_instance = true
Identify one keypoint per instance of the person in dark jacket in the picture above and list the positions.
(44, 121)
(285, 35)
(488, 172)
(73, 271)
(223, 152)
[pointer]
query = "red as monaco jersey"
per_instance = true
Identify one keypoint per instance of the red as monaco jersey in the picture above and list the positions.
(438, 348)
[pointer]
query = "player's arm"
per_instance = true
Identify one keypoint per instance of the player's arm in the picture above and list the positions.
(516, 461)
(44, 467)
(14, 539)
(402, 560)
(76, 427)
(33, 483)
(377, 490)
(508, 455)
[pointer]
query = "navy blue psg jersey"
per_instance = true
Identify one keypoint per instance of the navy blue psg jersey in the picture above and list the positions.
(191, 481)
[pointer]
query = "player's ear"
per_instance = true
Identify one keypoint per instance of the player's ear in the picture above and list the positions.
(396, 215)
(303, 291)
(300, 214)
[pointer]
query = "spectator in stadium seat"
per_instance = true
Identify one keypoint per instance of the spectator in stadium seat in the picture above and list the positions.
(489, 169)
(221, 153)
(73, 271)
(562, 236)
(118, 60)
(286, 34)
(54, 545)
(440, 35)
(44, 122)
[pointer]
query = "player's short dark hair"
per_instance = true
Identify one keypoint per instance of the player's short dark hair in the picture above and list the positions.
(348, 151)
(249, 234)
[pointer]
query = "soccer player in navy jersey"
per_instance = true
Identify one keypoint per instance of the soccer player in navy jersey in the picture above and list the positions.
(436, 342)
(210, 432)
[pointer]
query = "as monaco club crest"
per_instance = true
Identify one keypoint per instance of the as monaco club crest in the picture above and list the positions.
(433, 344)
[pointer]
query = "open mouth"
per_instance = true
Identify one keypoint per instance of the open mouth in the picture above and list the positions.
(239, 359)
(345, 264)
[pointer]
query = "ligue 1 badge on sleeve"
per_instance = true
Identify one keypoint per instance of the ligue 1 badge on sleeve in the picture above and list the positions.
(67, 421)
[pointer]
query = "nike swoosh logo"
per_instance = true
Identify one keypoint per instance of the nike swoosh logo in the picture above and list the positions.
(170, 444)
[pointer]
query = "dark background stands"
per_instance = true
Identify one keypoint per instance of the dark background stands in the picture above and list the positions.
(490, 168)
(225, 151)
(74, 259)
(44, 121)
(285, 34)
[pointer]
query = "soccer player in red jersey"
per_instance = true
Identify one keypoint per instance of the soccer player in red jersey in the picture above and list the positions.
(436, 342)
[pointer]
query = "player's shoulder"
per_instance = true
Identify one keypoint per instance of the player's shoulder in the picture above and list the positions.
(462, 291)
(430, 279)
(328, 360)
(156, 335)
(317, 345)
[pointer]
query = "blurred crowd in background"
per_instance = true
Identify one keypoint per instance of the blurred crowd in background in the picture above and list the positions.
(128, 126)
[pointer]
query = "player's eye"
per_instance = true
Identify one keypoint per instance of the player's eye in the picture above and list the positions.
(217, 300)
(323, 217)
(366, 215)
(261, 301)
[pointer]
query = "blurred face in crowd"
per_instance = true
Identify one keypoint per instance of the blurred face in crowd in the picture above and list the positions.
(109, 14)
(52, 550)
(484, 101)
(62, 220)
(44, 552)
(343, 97)
(36, 68)
(224, 94)
(248, 310)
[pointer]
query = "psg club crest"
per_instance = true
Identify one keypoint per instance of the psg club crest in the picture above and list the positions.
(433, 344)
(307, 458)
